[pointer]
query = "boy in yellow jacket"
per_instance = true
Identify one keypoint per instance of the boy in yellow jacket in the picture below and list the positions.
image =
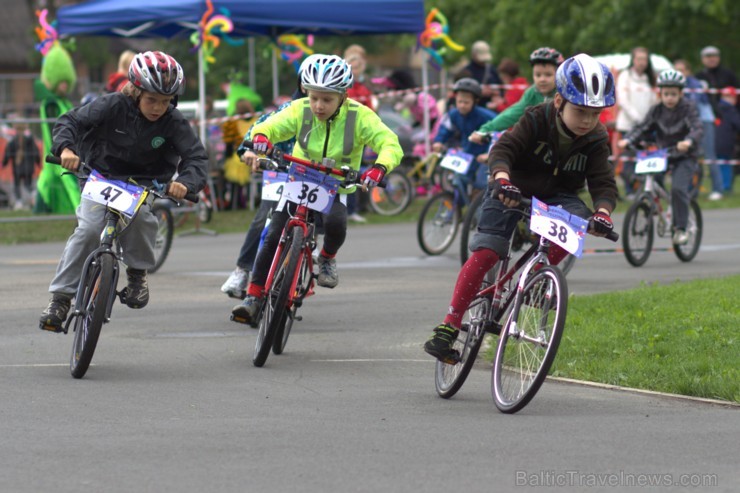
(326, 124)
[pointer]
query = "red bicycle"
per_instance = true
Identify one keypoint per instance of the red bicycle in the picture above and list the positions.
(310, 190)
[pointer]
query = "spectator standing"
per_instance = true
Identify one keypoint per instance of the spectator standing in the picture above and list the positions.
(696, 92)
(480, 69)
(635, 97)
(715, 74)
(23, 153)
(726, 134)
(117, 80)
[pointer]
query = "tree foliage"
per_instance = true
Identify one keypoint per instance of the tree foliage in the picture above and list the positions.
(673, 28)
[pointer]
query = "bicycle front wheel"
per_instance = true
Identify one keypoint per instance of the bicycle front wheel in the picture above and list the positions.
(394, 198)
(529, 340)
(276, 299)
(96, 295)
(303, 285)
(448, 379)
(688, 251)
(165, 232)
(637, 233)
(438, 223)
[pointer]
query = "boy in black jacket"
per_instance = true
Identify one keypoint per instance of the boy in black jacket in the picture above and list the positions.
(134, 134)
(552, 151)
(673, 123)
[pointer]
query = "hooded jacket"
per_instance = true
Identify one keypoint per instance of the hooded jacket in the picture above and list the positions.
(666, 127)
(112, 136)
(529, 153)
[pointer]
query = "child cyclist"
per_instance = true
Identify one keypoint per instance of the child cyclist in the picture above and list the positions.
(133, 134)
(461, 121)
(545, 62)
(673, 122)
(325, 124)
(553, 149)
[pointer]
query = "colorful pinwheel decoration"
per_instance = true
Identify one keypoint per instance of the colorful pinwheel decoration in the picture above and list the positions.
(293, 49)
(211, 30)
(435, 38)
(46, 32)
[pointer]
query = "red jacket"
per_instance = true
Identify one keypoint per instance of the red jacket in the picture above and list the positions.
(511, 96)
(360, 93)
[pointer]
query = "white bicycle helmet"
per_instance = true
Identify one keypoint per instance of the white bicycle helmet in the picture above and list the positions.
(326, 73)
(671, 78)
(584, 81)
(155, 71)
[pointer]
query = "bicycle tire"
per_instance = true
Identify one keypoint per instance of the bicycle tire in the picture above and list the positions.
(438, 223)
(204, 211)
(687, 252)
(529, 340)
(638, 233)
(96, 295)
(165, 233)
(448, 379)
(303, 286)
(470, 226)
(394, 198)
(274, 310)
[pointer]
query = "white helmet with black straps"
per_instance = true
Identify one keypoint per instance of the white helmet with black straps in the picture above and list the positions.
(155, 71)
(326, 73)
(671, 78)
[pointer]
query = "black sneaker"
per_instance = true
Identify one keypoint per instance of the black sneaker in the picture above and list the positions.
(55, 314)
(440, 344)
(137, 291)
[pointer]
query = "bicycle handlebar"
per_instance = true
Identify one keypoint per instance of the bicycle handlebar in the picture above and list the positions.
(190, 196)
(350, 176)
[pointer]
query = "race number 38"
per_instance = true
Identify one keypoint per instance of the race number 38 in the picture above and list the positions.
(559, 226)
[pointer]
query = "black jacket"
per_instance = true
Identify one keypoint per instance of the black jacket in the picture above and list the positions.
(667, 127)
(529, 153)
(112, 136)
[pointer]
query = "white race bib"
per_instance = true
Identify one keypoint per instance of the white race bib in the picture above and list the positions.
(651, 162)
(118, 195)
(457, 161)
(306, 186)
(559, 226)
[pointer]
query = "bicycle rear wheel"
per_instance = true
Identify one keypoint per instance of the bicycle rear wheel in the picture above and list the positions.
(637, 233)
(529, 340)
(394, 198)
(438, 223)
(276, 298)
(448, 379)
(688, 251)
(165, 232)
(470, 226)
(96, 295)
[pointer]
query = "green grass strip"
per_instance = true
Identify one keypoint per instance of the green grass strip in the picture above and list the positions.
(682, 338)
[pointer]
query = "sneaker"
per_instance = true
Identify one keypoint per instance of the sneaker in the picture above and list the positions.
(714, 196)
(248, 311)
(55, 314)
(680, 237)
(356, 218)
(137, 291)
(236, 285)
(440, 344)
(328, 276)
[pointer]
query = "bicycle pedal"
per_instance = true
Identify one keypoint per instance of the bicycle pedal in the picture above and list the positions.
(122, 295)
(492, 327)
(298, 318)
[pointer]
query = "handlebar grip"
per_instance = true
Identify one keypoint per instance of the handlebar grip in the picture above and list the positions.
(53, 159)
(192, 197)
(613, 236)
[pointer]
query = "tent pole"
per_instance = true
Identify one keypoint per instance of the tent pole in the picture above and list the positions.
(425, 89)
(275, 82)
(202, 120)
(252, 73)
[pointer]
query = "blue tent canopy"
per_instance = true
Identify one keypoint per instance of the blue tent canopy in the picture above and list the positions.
(171, 18)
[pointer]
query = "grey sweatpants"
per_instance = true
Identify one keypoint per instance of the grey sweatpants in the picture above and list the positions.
(137, 243)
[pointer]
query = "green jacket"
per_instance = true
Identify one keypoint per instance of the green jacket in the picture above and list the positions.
(316, 140)
(512, 114)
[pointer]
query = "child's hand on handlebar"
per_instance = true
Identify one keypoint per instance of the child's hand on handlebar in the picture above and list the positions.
(477, 137)
(177, 190)
(261, 144)
(70, 160)
(684, 145)
(251, 160)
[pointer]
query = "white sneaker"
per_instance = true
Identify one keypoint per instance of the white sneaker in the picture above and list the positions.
(714, 196)
(680, 237)
(236, 285)
(355, 217)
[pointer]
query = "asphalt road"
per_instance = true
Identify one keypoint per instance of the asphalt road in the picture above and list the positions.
(173, 403)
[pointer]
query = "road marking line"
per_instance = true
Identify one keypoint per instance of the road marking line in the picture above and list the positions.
(35, 365)
(370, 360)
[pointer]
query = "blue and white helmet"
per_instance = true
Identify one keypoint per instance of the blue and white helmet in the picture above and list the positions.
(326, 73)
(584, 81)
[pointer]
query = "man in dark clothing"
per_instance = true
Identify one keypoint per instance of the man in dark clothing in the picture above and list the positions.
(481, 69)
(715, 74)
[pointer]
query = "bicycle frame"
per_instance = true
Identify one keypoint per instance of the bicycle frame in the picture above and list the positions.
(653, 193)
